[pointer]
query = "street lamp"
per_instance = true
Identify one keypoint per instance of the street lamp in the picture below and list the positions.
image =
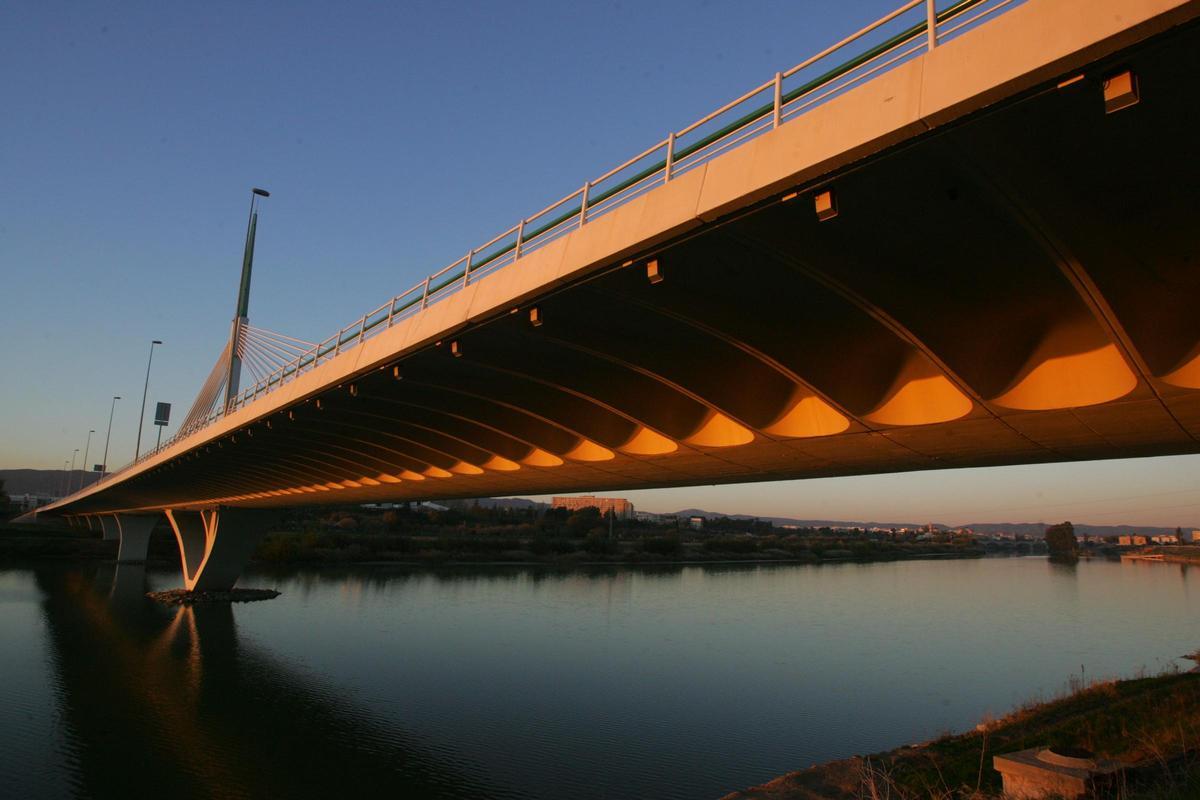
(137, 449)
(86, 447)
(62, 486)
(71, 474)
(241, 315)
(108, 436)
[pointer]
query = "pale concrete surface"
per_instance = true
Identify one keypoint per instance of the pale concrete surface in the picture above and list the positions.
(1037, 774)
(135, 532)
(111, 529)
(215, 546)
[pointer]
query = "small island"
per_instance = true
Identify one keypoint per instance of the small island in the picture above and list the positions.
(183, 597)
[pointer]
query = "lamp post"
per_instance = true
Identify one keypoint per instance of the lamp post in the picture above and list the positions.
(241, 316)
(62, 486)
(137, 449)
(71, 474)
(108, 436)
(86, 447)
(158, 443)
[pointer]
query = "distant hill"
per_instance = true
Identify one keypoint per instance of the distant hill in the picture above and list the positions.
(1035, 529)
(496, 502)
(47, 482)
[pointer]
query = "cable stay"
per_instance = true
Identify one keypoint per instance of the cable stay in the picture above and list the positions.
(263, 353)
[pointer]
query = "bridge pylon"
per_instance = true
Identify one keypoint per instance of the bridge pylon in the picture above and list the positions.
(241, 316)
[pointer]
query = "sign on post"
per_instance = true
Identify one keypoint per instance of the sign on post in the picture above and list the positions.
(162, 414)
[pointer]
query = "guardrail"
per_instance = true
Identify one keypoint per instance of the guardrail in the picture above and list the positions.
(921, 27)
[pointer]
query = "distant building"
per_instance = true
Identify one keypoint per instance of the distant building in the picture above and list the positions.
(1165, 538)
(28, 502)
(647, 516)
(696, 522)
(1189, 537)
(1131, 541)
(619, 506)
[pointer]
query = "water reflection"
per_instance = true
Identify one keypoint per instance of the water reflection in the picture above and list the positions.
(172, 701)
(606, 682)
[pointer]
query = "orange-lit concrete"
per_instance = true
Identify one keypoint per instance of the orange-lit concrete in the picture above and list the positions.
(211, 562)
(1010, 277)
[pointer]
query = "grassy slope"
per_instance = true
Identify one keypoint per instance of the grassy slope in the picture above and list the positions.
(1151, 722)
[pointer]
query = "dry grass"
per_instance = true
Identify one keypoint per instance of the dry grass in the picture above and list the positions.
(1150, 722)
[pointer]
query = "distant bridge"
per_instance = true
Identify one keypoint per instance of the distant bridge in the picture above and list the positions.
(972, 242)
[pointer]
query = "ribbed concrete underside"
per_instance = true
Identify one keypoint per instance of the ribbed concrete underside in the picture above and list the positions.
(1019, 286)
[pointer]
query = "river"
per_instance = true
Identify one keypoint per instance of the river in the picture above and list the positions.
(684, 682)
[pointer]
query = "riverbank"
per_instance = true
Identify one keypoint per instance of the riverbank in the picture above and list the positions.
(316, 547)
(1151, 724)
(21, 542)
(1178, 554)
(337, 547)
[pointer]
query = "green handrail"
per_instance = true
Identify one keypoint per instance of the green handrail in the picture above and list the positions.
(748, 118)
(899, 39)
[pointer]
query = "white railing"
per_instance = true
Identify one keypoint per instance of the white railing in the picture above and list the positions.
(912, 28)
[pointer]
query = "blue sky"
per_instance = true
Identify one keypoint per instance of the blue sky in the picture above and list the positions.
(392, 137)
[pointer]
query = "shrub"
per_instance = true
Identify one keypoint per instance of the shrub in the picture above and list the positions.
(277, 547)
(599, 544)
(731, 544)
(542, 546)
(662, 545)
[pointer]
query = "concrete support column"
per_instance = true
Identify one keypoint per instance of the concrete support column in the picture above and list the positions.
(108, 524)
(135, 535)
(91, 522)
(191, 535)
(215, 545)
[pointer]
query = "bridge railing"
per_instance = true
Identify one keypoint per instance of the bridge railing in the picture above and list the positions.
(912, 28)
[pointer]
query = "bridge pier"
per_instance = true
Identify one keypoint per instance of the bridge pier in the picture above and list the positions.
(110, 527)
(135, 536)
(215, 545)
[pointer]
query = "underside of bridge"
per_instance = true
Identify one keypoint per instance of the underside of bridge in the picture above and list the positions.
(1021, 286)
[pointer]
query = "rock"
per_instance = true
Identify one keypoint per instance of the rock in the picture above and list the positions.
(179, 597)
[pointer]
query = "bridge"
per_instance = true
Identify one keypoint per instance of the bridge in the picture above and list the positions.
(970, 241)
